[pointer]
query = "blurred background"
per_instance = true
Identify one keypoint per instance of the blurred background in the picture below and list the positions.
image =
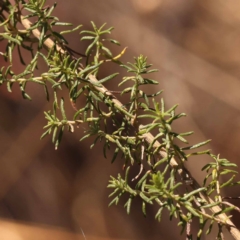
(48, 194)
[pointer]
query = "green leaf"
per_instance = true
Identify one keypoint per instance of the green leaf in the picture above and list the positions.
(115, 200)
(155, 94)
(88, 32)
(196, 145)
(159, 214)
(95, 27)
(194, 192)
(59, 137)
(114, 41)
(8, 37)
(145, 198)
(107, 51)
(115, 154)
(87, 38)
(182, 139)
(128, 205)
(9, 86)
(175, 186)
(211, 205)
(54, 134)
(91, 45)
(126, 174)
(107, 31)
(62, 24)
(25, 95)
(226, 171)
(62, 109)
(210, 227)
(148, 116)
(225, 210)
(199, 153)
(42, 3)
(149, 81)
(51, 9)
(152, 70)
(45, 133)
(228, 183)
(43, 32)
(88, 68)
(10, 50)
(160, 162)
(70, 31)
(193, 211)
(114, 192)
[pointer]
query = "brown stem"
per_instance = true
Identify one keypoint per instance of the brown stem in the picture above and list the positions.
(148, 138)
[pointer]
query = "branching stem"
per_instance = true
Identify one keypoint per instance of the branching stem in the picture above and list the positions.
(148, 137)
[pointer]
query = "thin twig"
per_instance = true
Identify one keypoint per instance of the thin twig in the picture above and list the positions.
(148, 136)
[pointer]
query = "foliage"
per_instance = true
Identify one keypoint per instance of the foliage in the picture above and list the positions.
(163, 179)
